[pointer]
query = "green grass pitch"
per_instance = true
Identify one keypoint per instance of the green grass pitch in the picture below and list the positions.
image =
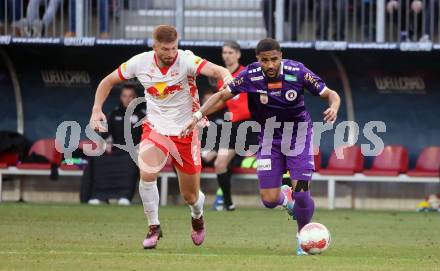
(77, 237)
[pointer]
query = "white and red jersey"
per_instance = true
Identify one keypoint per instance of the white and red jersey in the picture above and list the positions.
(171, 92)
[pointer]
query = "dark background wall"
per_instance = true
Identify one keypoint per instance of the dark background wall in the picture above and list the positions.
(58, 84)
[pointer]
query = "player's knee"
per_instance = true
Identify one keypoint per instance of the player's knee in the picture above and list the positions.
(220, 165)
(269, 201)
(147, 176)
(302, 186)
(189, 198)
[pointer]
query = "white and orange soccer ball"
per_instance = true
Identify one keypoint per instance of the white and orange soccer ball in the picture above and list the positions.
(314, 238)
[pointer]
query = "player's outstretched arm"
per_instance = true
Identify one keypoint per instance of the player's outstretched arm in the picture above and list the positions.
(334, 101)
(217, 72)
(98, 117)
(208, 107)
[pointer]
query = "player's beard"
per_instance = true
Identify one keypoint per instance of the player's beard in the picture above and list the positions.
(273, 74)
(167, 61)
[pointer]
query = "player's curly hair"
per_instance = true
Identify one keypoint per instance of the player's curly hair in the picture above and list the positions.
(267, 44)
(165, 33)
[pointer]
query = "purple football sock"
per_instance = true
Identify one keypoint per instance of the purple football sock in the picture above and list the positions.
(304, 208)
(272, 205)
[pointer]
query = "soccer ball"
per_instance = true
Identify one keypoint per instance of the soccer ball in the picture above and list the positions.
(314, 238)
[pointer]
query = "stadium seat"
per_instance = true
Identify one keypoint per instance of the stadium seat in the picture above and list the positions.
(3, 165)
(240, 170)
(352, 162)
(208, 170)
(428, 163)
(87, 141)
(80, 146)
(8, 158)
(391, 162)
(69, 167)
(317, 158)
(45, 148)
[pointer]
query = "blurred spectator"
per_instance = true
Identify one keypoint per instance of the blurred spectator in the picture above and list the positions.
(116, 120)
(224, 153)
(366, 9)
(115, 175)
(103, 17)
(291, 8)
(13, 11)
(431, 18)
(337, 10)
(33, 25)
(414, 8)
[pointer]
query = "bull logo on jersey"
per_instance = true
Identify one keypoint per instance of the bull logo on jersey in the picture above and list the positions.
(162, 90)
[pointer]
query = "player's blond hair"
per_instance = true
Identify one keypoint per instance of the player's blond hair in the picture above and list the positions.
(165, 33)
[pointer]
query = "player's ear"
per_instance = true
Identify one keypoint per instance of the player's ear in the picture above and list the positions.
(280, 54)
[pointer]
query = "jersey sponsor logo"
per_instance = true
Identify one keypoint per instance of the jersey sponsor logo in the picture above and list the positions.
(162, 90)
(275, 85)
(264, 99)
(237, 81)
(307, 174)
(308, 77)
(174, 73)
(264, 164)
(290, 68)
(275, 93)
(254, 70)
(261, 91)
(257, 78)
(291, 95)
(290, 77)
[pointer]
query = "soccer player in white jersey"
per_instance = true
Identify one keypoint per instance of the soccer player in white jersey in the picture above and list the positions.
(169, 78)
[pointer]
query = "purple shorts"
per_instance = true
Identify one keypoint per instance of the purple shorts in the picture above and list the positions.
(273, 162)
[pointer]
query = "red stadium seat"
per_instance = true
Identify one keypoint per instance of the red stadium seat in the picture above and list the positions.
(240, 170)
(208, 170)
(87, 141)
(46, 148)
(10, 159)
(391, 162)
(318, 159)
(69, 167)
(3, 165)
(428, 163)
(352, 162)
(80, 146)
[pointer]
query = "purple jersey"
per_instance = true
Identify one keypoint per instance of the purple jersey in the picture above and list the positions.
(282, 97)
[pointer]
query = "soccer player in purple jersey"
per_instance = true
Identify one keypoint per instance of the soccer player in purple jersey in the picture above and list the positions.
(275, 88)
